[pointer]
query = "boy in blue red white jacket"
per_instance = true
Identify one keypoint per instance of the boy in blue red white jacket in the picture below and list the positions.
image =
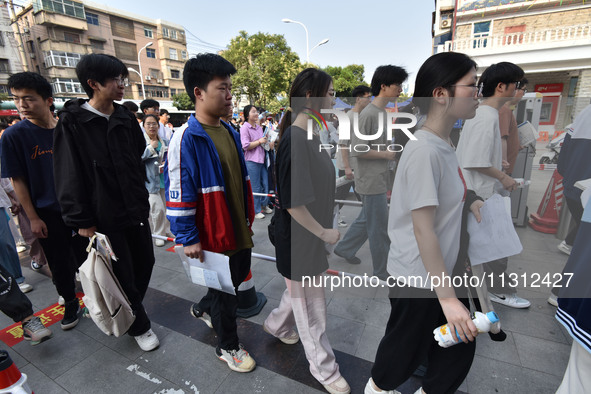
(209, 199)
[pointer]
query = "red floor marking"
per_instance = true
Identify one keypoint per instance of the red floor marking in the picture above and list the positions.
(13, 334)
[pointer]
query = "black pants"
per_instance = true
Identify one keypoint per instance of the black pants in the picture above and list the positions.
(501, 282)
(13, 302)
(65, 251)
(342, 192)
(133, 268)
(408, 341)
(222, 306)
(576, 210)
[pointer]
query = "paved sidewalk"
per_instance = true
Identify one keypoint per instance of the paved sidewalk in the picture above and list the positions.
(84, 360)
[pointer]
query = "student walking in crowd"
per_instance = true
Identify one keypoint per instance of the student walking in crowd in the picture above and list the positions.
(303, 224)
(480, 155)
(253, 139)
(372, 172)
(424, 225)
(99, 179)
(27, 158)
(209, 198)
(154, 157)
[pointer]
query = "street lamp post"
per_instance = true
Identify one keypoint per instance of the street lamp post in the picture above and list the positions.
(308, 51)
(139, 63)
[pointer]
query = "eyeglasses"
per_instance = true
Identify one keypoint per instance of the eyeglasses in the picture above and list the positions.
(475, 88)
(517, 84)
(121, 81)
(524, 90)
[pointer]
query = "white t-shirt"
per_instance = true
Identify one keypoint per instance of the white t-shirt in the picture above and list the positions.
(428, 175)
(480, 147)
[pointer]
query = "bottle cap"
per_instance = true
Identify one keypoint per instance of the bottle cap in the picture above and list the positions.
(492, 316)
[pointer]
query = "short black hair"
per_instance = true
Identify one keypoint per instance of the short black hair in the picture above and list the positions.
(149, 103)
(33, 81)
(387, 75)
(149, 116)
(131, 106)
(163, 111)
(99, 67)
(360, 90)
(503, 72)
(200, 70)
(524, 81)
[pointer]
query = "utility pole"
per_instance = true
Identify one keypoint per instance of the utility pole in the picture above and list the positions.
(20, 43)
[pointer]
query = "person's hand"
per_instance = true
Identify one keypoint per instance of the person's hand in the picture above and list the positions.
(263, 140)
(389, 155)
(509, 183)
(38, 228)
(272, 145)
(475, 209)
(154, 144)
(349, 173)
(330, 236)
(87, 232)
(16, 207)
(194, 251)
(458, 318)
(505, 164)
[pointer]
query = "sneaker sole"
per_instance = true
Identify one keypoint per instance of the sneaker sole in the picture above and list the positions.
(69, 326)
(207, 322)
(553, 302)
(563, 250)
(33, 343)
(508, 304)
(287, 341)
(233, 368)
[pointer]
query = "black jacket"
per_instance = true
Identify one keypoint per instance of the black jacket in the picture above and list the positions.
(99, 174)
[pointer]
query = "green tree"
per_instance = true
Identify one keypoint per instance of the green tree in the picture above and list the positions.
(345, 79)
(182, 102)
(265, 67)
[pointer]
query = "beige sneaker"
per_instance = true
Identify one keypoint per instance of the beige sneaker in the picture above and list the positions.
(238, 360)
(292, 338)
(339, 386)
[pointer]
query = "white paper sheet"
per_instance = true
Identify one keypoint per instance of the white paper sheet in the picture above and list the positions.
(214, 272)
(494, 237)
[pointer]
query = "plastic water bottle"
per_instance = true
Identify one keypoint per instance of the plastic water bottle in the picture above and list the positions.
(482, 322)
(522, 182)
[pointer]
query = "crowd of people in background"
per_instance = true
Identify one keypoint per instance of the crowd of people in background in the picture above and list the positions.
(126, 172)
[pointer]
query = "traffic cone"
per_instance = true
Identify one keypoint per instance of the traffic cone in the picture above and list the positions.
(11, 379)
(547, 218)
(250, 302)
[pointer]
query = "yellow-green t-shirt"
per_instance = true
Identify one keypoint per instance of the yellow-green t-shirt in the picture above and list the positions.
(226, 147)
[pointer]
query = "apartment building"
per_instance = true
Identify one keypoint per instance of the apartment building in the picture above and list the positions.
(55, 34)
(10, 61)
(549, 39)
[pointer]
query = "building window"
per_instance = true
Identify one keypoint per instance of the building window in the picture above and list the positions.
(165, 32)
(184, 55)
(173, 34)
(99, 45)
(2, 39)
(125, 50)
(480, 33)
(61, 59)
(155, 73)
(156, 92)
(151, 53)
(65, 7)
(172, 92)
(92, 19)
(173, 54)
(4, 89)
(122, 27)
(66, 85)
(176, 74)
(72, 37)
(148, 32)
(4, 66)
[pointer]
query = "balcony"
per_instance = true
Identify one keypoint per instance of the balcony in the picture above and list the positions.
(557, 49)
(46, 18)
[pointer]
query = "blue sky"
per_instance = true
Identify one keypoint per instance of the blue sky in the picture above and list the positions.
(367, 32)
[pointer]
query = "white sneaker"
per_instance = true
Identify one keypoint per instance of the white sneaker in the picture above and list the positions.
(61, 301)
(553, 300)
(510, 300)
(339, 386)
(21, 248)
(370, 390)
(159, 242)
(564, 248)
(267, 210)
(147, 341)
(259, 216)
(290, 339)
(25, 287)
(238, 360)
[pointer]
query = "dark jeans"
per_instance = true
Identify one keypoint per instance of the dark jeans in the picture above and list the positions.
(133, 268)
(576, 210)
(408, 342)
(222, 306)
(65, 251)
(13, 302)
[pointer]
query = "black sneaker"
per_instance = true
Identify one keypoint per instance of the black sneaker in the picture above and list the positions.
(354, 260)
(201, 315)
(71, 314)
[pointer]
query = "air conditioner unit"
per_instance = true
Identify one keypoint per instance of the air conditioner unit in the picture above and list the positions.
(159, 80)
(26, 30)
(445, 23)
(148, 77)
